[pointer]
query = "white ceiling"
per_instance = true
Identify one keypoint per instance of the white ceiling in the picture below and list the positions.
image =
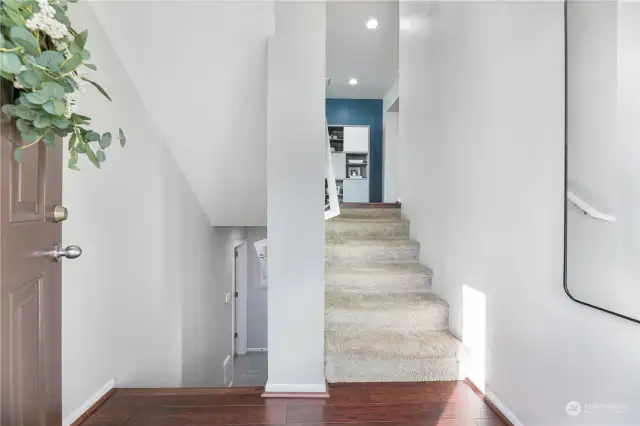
(371, 56)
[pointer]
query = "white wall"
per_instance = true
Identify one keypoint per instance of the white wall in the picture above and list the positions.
(390, 146)
(257, 296)
(200, 69)
(482, 131)
(295, 204)
(143, 304)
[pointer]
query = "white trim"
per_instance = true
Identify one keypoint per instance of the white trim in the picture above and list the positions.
(75, 414)
(256, 349)
(297, 388)
(503, 408)
(588, 208)
(240, 303)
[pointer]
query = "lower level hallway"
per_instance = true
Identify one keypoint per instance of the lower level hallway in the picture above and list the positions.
(355, 404)
(250, 370)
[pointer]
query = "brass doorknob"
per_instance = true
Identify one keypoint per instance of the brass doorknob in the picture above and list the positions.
(60, 213)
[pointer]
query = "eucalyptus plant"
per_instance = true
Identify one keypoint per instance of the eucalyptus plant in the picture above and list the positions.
(46, 60)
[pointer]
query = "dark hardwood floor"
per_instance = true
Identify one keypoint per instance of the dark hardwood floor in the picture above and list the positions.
(380, 404)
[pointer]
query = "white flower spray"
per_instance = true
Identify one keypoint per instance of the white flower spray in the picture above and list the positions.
(44, 20)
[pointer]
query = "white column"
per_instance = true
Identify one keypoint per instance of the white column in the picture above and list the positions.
(295, 197)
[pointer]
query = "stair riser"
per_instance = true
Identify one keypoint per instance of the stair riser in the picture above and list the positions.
(436, 319)
(360, 213)
(336, 253)
(340, 370)
(377, 284)
(341, 230)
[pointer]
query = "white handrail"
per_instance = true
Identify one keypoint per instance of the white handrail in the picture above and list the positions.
(588, 208)
(332, 209)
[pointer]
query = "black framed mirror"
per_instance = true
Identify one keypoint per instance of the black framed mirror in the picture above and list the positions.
(602, 156)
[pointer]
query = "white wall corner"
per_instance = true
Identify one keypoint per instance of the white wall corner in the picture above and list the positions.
(75, 415)
(295, 388)
(503, 408)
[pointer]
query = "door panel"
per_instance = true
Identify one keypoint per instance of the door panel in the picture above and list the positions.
(30, 296)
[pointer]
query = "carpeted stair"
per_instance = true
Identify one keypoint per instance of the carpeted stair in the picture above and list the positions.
(383, 324)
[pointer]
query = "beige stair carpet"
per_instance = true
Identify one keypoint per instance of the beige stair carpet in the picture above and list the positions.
(383, 324)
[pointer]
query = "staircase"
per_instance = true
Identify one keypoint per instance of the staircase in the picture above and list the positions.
(383, 324)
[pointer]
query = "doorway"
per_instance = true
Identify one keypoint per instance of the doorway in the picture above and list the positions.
(249, 368)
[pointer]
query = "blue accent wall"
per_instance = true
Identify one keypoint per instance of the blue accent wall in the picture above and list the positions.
(366, 112)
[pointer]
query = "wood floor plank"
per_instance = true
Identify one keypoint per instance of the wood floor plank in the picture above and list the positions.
(345, 413)
(201, 416)
(352, 404)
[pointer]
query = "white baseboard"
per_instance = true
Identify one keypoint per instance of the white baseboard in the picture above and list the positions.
(75, 415)
(503, 408)
(297, 388)
(256, 349)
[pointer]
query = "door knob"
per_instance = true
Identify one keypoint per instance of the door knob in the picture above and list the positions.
(57, 253)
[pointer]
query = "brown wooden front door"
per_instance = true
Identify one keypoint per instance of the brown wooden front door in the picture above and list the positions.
(30, 293)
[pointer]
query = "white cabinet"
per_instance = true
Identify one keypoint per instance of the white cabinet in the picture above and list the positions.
(356, 190)
(356, 139)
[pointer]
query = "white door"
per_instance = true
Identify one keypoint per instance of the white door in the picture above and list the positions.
(240, 300)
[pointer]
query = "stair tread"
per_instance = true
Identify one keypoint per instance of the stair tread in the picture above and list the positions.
(388, 301)
(350, 340)
(373, 243)
(382, 268)
(383, 219)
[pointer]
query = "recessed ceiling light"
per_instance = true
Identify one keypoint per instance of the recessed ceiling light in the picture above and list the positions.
(372, 23)
(353, 81)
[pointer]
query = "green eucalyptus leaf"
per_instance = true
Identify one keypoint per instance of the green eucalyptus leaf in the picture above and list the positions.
(23, 125)
(43, 121)
(6, 76)
(97, 86)
(123, 139)
(50, 59)
(25, 39)
(38, 97)
(90, 66)
(92, 156)
(72, 141)
(15, 17)
(105, 140)
(10, 109)
(86, 55)
(61, 122)
(81, 39)
(66, 85)
(30, 136)
(30, 79)
(22, 100)
(73, 165)
(101, 156)
(26, 113)
(92, 136)
(16, 4)
(2, 40)
(18, 155)
(10, 63)
(54, 107)
(62, 132)
(61, 16)
(80, 147)
(71, 63)
(53, 89)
